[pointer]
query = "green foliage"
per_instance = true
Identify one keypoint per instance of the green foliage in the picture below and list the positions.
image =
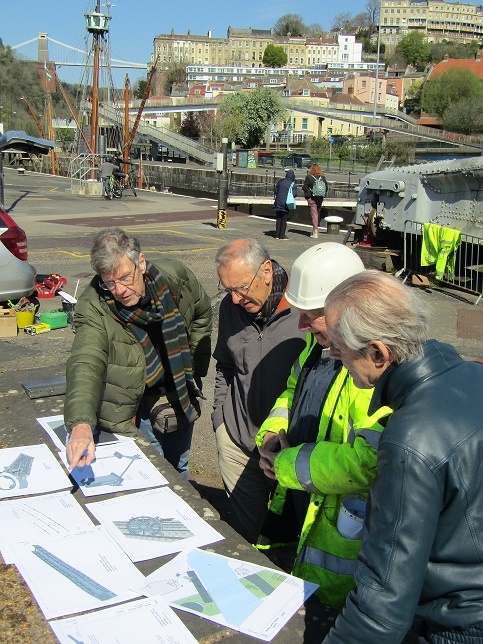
(412, 102)
(140, 88)
(414, 50)
(452, 86)
(464, 116)
(453, 49)
(290, 23)
(274, 56)
(320, 147)
(245, 117)
(174, 74)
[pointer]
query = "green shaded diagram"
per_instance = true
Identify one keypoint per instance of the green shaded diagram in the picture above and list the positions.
(262, 584)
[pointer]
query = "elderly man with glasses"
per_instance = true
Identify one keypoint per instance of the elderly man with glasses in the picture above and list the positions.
(258, 341)
(141, 347)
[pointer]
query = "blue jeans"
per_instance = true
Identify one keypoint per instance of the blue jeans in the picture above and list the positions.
(174, 446)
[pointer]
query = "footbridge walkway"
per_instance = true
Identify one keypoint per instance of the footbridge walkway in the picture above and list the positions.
(390, 120)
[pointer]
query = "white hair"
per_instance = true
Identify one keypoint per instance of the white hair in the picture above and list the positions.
(376, 306)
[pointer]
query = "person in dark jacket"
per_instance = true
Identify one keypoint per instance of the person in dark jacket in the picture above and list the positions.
(422, 548)
(314, 201)
(142, 345)
(280, 204)
(258, 341)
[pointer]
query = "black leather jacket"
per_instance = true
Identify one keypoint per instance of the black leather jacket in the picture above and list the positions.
(423, 548)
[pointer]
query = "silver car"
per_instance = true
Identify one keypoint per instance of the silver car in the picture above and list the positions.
(17, 276)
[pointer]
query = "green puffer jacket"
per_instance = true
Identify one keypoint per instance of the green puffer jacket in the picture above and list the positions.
(106, 368)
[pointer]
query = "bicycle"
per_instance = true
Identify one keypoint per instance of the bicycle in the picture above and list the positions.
(132, 181)
(113, 188)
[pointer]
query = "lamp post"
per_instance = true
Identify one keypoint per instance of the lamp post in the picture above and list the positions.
(377, 64)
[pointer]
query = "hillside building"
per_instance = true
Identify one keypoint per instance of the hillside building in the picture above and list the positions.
(435, 19)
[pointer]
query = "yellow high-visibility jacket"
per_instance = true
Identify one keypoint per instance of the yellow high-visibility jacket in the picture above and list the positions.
(341, 463)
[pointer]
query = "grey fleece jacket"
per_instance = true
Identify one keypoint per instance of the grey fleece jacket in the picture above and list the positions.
(252, 367)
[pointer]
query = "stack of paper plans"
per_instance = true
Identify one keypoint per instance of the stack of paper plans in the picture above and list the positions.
(77, 573)
(116, 468)
(55, 428)
(32, 469)
(153, 524)
(28, 520)
(243, 596)
(150, 621)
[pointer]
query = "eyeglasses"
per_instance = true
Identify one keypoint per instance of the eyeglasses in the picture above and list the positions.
(124, 280)
(241, 291)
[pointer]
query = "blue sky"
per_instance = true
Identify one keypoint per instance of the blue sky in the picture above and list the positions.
(135, 23)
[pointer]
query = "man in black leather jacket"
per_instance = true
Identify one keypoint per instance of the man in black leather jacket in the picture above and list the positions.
(422, 549)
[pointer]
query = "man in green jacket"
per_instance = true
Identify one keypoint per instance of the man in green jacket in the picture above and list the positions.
(327, 457)
(141, 347)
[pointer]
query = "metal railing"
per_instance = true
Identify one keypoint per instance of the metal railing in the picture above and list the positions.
(82, 168)
(161, 134)
(468, 269)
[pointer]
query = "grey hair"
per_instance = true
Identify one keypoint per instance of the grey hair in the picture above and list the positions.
(377, 306)
(247, 251)
(108, 248)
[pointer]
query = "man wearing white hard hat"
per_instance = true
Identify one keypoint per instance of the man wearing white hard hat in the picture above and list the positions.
(319, 442)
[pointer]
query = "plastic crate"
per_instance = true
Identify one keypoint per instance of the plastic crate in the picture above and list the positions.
(56, 318)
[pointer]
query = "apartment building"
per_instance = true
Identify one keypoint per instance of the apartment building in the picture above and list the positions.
(245, 47)
(436, 20)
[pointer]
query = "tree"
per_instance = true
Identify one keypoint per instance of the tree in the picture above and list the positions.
(314, 30)
(414, 50)
(412, 101)
(174, 74)
(274, 56)
(342, 22)
(450, 87)
(373, 13)
(453, 50)
(140, 88)
(464, 116)
(190, 126)
(290, 23)
(245, 117)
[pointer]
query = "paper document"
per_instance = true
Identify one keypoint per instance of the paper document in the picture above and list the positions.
(77, 573)
(153, 524)
(32, 469)
(37, 517)
(243, 596)
(55, 428)
(116, 468)
(150, 621)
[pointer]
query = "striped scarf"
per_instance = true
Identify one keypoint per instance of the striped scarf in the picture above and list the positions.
(162, 309)
(280, 279)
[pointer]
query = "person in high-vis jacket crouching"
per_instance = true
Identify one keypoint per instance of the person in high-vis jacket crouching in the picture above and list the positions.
(319, 442)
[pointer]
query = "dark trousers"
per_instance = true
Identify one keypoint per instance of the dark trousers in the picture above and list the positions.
(281, 224)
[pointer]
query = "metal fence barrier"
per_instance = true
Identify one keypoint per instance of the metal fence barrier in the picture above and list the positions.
(468, 274)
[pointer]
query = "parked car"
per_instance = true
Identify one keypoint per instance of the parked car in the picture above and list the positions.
(297, 160)
(17, 276)
(338, 139)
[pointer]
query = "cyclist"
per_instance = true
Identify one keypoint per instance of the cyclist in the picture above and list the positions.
(118, 161)
(107, 169)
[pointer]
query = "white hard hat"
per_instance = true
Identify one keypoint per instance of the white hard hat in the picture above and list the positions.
(319, 270)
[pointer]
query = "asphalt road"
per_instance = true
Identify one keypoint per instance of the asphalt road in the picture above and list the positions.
(60, 227)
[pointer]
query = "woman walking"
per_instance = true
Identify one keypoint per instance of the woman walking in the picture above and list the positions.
(315, 189)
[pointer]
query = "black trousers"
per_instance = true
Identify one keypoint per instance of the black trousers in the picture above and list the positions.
(281, 224)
